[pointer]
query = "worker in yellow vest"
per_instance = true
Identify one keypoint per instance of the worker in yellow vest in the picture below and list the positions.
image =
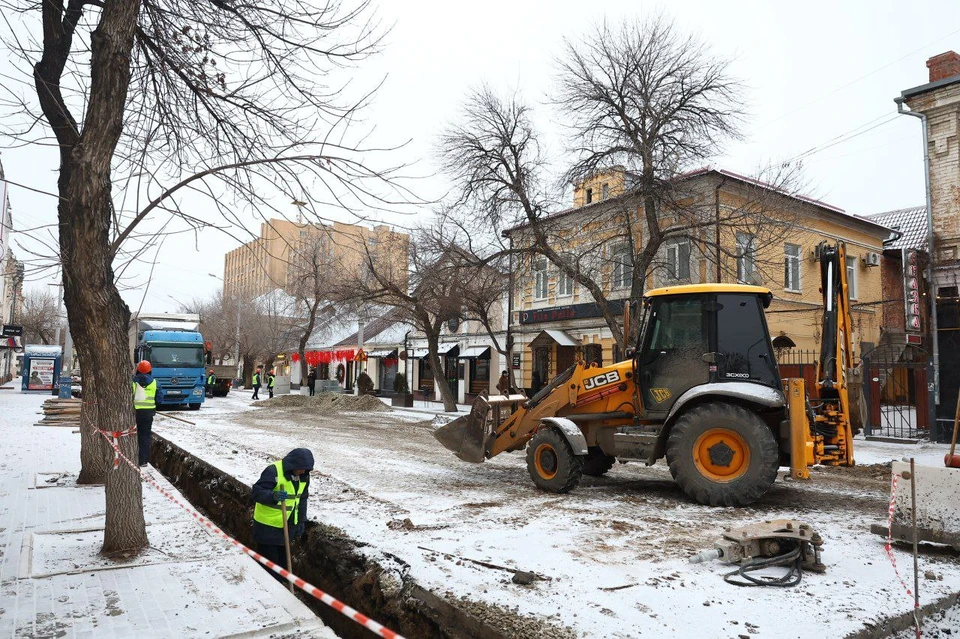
(256, 384)
(211, 382)
(283, 481)
(145, 406)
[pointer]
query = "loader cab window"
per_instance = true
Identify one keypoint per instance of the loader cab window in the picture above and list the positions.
(672, 358)
(743, 342)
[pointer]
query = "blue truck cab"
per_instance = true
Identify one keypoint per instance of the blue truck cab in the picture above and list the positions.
(177, 357)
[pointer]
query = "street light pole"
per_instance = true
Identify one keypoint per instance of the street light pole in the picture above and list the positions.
(236, 338)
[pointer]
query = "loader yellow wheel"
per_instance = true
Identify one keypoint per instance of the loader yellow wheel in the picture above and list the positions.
(721, 454)
(552, 465)
(545, 458)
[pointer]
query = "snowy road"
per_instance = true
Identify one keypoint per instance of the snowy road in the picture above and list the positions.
(631, 528)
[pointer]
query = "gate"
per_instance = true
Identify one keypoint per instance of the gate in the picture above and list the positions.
(896, 393)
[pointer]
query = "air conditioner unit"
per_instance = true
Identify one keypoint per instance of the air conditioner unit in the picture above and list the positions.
(871, 259)
(815, 253)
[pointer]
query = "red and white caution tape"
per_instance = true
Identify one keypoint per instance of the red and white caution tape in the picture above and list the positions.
(334, 603)
(889, 545)
(112, 437)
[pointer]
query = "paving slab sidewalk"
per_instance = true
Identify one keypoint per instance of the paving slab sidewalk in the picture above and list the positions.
(53, 582)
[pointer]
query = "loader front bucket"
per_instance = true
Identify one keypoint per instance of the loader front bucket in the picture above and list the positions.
(466, 436)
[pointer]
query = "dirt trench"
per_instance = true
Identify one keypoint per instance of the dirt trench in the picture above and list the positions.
(326, 558)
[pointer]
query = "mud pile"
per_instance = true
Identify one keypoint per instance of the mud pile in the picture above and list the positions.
(326, 403)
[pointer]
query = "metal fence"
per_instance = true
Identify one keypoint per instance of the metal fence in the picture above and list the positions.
(897, 395)
(897, 399)
(794, 362)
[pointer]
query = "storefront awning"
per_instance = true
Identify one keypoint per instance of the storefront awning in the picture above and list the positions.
(442, 349)
(558, 336)
(475, 352)
(383, 352)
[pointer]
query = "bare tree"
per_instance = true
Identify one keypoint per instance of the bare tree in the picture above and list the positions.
(277, 321)
(312, 284)
(133, 92)
(39, 317)
(426, 296)
(643, 104)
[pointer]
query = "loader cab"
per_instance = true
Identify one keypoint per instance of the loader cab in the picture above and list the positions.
(702, 334)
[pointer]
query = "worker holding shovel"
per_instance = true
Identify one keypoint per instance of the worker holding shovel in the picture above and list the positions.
(280, 512)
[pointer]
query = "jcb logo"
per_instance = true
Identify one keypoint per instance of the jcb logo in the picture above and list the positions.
(601, 380)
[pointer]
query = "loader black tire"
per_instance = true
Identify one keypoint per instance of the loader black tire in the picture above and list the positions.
(597, 462)
(722, 455)
(551, 462)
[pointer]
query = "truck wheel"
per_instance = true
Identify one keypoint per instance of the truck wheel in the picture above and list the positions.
(722, 455)
(194, 406)
(597, 462)
(551, 462)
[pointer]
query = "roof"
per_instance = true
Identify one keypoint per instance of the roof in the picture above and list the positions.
(42, 349)
(910, 223)
(728, 175)
(560, 337)
(930, 86)
(693, 289)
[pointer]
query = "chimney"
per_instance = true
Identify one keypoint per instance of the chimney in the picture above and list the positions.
(945, 65)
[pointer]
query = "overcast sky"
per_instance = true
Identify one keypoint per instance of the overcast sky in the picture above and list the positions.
(820, 75)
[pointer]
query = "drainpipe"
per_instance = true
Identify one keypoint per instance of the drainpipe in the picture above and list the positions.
(932, 288)
(716, 230)
(509, 338)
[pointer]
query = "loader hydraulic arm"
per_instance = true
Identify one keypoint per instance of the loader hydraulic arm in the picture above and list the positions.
(831, 427)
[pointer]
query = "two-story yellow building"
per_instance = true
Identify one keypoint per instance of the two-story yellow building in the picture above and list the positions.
(721, 227)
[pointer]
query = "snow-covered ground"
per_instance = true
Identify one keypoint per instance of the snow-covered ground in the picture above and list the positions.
(54, 583)
(614, 552)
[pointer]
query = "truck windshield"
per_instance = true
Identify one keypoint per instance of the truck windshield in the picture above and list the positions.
(176, 356)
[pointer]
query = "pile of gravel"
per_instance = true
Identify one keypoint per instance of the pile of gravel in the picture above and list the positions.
(326, 403)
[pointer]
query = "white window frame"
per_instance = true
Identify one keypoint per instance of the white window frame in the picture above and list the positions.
(673, 258)
(852, 283)
(541, 279)
(792, 268)
(565, 283)
(746, 257)
(621, 275)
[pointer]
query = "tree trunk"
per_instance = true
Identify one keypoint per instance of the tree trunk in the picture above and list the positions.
(304, 337)
(247, 371)
(97, 315)
(439, 376)
(93, 448)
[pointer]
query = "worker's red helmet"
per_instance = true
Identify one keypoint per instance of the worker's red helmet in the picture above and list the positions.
(211, 370)
(144, 367)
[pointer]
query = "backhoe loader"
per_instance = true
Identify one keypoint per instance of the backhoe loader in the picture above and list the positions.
(703, 390)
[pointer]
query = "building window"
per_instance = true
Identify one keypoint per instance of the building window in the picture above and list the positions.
(852, 277)
(604, 191)
(540, 283)
(791, 268)
(746, 258)
(564, 281)
(678, 261)
(589, 196)
(622, 266)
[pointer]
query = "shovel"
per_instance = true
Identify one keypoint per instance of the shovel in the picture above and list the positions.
(286, 541)
(951, 460)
